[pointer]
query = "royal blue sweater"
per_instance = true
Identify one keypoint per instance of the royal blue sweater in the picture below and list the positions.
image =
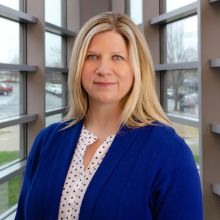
(148, 173)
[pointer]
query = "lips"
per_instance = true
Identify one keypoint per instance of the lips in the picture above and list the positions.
(104, 84)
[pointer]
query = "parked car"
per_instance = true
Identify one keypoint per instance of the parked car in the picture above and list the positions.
(5, 89)
(55, 89)
(189, 100)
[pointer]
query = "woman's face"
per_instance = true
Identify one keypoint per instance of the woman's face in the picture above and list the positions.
(107, 76)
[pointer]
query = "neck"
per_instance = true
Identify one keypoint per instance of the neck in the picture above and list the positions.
(103, 120)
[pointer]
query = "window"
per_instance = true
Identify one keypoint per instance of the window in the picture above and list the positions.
(11, 97)
(56, 59)
(53, 50)
(179, 80)
(180, 41)
(9, 193)
(10, 41)
(134, 9)
(171, 5)
(191, 136)
(55, 90)
(12, 3)
(180, 92)
(33, 78)
(53, 12)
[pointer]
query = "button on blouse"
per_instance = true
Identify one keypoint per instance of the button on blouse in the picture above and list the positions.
(78, 178)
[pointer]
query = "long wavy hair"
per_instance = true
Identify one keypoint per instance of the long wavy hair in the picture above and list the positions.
(141, 105)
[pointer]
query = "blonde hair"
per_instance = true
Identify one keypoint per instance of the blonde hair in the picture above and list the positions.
(141, 105)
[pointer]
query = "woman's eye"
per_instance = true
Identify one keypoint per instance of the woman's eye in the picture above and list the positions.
(91, 57)
(118, 58)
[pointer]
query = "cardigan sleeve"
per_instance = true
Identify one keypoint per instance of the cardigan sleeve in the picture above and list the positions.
(31, 166)
(178, 195)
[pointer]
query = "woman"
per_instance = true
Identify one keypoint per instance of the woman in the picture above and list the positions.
(116, 155)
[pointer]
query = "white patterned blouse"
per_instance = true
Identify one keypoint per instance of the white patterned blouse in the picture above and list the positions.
(78, 178)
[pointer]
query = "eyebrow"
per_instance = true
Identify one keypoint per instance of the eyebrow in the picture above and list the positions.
(114, 52)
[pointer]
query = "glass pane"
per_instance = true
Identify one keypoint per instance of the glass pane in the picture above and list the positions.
(10, 97)
(174, 4)
(136, 11)
(53, 50)
(53, 12)
(53, 118)
(10, 3)
(9, 193)
(181, 41)
(54, 91)
(180, 92)
(191, 136)
(9, 144)
(9, 42)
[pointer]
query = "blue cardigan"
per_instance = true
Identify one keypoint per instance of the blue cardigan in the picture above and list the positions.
(148, 173)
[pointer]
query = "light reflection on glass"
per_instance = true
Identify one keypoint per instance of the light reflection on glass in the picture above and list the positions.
(54, 90)
(9, 94)
(10, 3)
(9, 191)
(136, 11)
(180, 93)
(191, 136)
(53, 44)
(53, 12)
(9, 144)
(53, 118)
(9, 42)
(175, 4)
(181, 41)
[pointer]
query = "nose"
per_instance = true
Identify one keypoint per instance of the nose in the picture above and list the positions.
(104, 67)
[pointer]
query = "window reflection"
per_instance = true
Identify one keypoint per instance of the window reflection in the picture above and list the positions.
(9, 193)
(9, 42)
(53, 12)
(53, 118)
(180, 92)
(181, 41)
(174, 4)
(53, 50)
(12, 3)
(136, 10)
(54, 90)
(191, 136)
(10, 102)
(9, 144)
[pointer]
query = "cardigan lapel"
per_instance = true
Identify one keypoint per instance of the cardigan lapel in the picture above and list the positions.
(118, 148)
(65, 147)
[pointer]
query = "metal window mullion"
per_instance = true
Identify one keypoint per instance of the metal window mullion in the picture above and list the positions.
(176, 66)
(55, 111)
(17, 67)
(176, 14)
(9, 214)
(214, 63)
(13, 170)
(56, 69)
(185, 120)
(21, 119)
(59, 30)
(214, 1)
(16, 15)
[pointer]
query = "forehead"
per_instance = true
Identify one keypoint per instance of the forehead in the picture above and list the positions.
(108, 39)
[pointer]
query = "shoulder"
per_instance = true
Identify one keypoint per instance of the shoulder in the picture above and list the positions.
(163, 143)
(55, 129)
(160, 133)
(50, 135)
